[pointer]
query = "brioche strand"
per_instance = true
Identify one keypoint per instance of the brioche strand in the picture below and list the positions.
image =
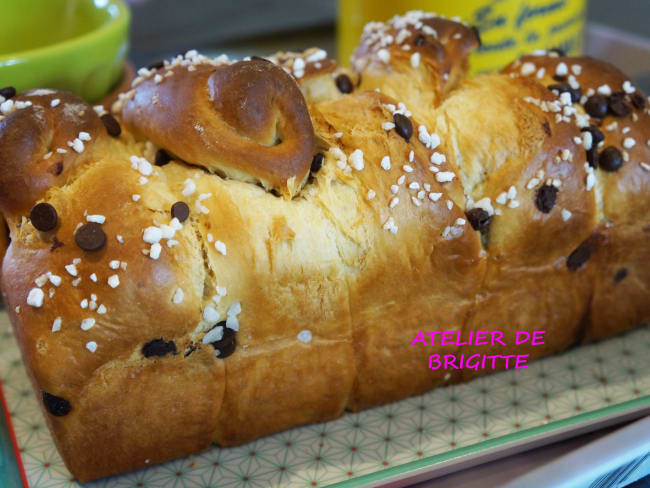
(245, 120)
(620, 242)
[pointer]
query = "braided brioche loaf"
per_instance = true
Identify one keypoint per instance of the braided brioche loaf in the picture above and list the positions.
(250, 246)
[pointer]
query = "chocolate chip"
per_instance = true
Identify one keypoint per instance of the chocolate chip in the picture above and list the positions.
(226, 346)
(592, 156)
(56, 244)
(43, 217)
(559, 78)
(181, 211)
(596, 106)
(156, 64)
(547, 128)
(545, 199)
(8, 92)
(158, 347)
(596, 138)
(617, 104)
(620, 275)
(58, 168)
(579, 257)
(479, 219)
(597, 135)
(575, 93)
(403, 126)
(419, 40)
(162, 157)
(559, 51)
(317, 162)
(477, 34)
(344, 84)
(637, 100)
(610, 159)
(90, 237)
(559, 87)
(56, 405)
(112, 125)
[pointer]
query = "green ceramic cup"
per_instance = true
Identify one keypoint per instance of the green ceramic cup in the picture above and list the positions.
(73, 45)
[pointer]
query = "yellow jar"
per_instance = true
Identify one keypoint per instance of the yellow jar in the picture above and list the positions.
(508, 28)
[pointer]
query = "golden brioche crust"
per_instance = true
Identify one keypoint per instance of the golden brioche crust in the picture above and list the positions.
(247, 120)
(620, 273)
(379, 294)
(625, 191)
(39, 148)
(508, 163)
(302, 66)
(302, 249)
(416, 58)
(421, 209)
(318, 76)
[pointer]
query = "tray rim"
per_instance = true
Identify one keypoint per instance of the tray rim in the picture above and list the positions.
(12, 437)
(499, 447)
